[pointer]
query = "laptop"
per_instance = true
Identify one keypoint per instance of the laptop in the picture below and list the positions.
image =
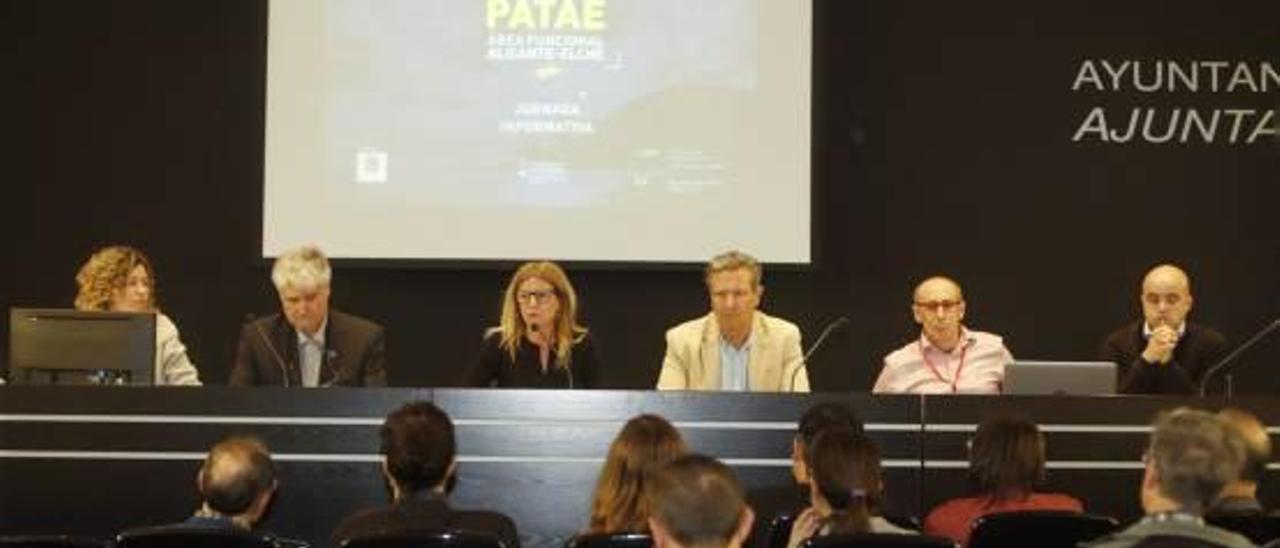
(1060, 377)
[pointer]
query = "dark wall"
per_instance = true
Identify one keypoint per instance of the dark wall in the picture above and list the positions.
(942, 143)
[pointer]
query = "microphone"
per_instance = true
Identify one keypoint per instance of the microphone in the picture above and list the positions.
(1208, 374)
(330, 355)
(284, 368)
(822, 337)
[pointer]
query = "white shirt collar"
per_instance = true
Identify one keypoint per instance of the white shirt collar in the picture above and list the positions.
(1146, 330)
(318, 340)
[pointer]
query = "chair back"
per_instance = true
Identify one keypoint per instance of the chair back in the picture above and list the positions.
(1175, 541)
(1047, 529)
(1259, 529)
(878, 540)
(424, 539)
(51, 541)
(188, 536)
(610, 540)
(778, 532)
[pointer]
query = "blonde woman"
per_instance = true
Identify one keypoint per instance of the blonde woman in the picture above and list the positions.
(643, 446)
(121, 279)
(538, 343)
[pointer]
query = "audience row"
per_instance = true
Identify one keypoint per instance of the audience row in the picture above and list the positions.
(1197, 465)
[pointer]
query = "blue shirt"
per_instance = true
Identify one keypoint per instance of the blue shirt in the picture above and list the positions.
(733, 366)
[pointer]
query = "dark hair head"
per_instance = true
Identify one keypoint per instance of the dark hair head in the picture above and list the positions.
(845, 471)
(417, 441)
(826, 415)
(1194, 456)
(235, 473)
(1006, 460)
(643, 446)
(698, 500)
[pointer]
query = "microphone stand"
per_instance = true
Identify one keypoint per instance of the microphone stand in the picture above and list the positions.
(1208, 374)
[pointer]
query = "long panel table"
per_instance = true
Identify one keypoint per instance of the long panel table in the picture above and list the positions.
(93, 461)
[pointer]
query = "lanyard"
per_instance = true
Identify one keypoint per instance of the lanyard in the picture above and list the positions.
(964, 349)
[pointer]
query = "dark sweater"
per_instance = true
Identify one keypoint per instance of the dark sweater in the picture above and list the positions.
(495, 368)
(1198, 349)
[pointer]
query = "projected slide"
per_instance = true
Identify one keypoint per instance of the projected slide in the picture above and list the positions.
(588, 130)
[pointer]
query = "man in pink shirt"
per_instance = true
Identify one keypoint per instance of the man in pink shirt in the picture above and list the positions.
(947, 358)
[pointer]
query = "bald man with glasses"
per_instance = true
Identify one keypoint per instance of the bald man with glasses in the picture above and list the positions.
(947, 358)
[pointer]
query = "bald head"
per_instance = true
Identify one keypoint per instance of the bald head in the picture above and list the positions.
(1167, 275)
(938, 306)
(937, 286)
(1166, 296)
(237, 478)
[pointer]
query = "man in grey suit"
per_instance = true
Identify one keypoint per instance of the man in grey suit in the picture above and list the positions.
(308, 344)
(735, 347)
(1191, 458)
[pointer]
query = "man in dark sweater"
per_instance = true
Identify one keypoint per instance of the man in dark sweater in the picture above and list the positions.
(1164, 353)
(418, 462)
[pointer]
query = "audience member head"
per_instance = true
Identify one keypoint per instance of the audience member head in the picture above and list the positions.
(540, 299)
(1257, 445)
(1192, 456)
(1006, 458)
(643, 446)
(237, 480)
(845, 484)
(417, 449)
(818, 418)
(938, 306)
(302, 277)
(1166, 296)
(118, 278)
(697, 502)
(734, 285)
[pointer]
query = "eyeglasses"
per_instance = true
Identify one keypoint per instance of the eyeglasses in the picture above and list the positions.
(532, 298)
(943, 306)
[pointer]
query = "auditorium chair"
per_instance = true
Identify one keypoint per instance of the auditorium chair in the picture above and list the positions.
(1173, 541)
(1047, 529)
(878, 540)
(51, 541)
(186, 536)
(610, 540)
(424, 539)
(1259, 529)
(779, 530)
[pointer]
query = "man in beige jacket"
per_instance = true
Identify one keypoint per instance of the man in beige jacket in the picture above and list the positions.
(735, 347)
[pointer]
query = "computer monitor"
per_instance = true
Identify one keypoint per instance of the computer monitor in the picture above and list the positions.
(60, 346)
(1060, 377)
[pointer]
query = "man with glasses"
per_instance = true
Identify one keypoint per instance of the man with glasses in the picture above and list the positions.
(1164, 353)
(735, 347)
(947, 358)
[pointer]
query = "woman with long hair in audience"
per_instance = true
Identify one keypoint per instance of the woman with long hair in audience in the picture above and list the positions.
(643, 446)
(120, 279)
(845, 487)
(1006, 473)
(538, 342)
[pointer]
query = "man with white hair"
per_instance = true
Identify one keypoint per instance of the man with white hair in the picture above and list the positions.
(309, 345)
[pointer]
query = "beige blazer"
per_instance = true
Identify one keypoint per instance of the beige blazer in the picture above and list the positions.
(692, 361)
